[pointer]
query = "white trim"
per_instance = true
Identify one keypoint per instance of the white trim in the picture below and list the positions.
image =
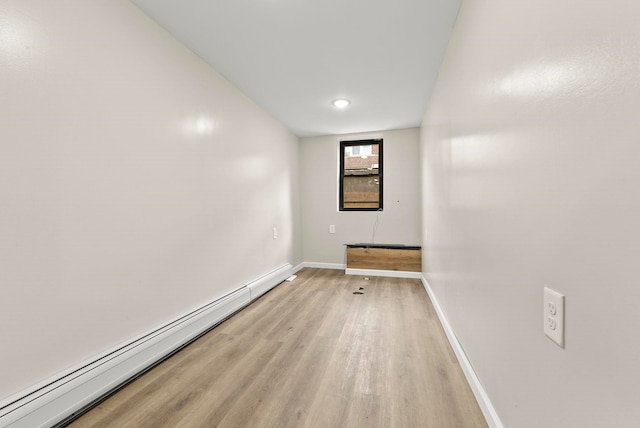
(484, 402)
(338, 266)
(387, 273)
(58, 398)
(298, 268)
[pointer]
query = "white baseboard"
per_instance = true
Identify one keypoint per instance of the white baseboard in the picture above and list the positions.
(387, 273)
(298, 268)
(367, 272)
(60, 397)
(489, 412)
(338, 266)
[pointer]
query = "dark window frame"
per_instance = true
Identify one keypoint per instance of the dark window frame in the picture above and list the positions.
(350, 143)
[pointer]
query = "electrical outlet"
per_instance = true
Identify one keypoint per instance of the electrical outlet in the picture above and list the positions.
(275, 233)
(554, 316)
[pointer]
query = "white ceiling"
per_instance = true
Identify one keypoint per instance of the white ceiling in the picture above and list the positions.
(293, 57)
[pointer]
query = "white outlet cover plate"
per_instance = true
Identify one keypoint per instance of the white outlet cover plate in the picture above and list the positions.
(554, 315)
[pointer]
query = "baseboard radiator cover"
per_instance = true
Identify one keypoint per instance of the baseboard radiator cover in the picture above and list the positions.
(266, 282)
(64, 395)
(489, 412)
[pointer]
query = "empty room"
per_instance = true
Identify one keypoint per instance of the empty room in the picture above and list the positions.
(278, 213)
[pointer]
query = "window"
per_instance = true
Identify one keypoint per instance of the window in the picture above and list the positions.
(360, 175)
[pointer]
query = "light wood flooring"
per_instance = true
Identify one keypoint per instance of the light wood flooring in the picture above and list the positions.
(310, 353)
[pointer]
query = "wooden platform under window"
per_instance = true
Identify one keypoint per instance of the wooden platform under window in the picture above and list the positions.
(384, 257)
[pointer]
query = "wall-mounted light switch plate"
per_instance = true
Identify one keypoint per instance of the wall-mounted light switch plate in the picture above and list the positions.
(554, 316)
(332, 228)
(275, 233)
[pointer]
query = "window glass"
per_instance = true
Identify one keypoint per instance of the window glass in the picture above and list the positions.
(360, 175)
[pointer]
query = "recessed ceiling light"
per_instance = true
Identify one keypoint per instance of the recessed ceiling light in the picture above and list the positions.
(341, 103)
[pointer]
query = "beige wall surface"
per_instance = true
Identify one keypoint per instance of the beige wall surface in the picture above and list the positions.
(136, 184)
(398, 223)
(530, 179)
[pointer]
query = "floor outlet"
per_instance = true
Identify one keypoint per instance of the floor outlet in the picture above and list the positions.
(554, 315)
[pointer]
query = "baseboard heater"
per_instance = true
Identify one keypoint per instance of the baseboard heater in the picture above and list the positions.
(66, 394)
(266, 282)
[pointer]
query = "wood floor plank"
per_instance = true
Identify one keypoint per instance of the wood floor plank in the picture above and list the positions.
(310, 353)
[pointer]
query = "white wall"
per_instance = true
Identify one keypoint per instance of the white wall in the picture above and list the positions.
(135, 184)
(398, 223)
(530, 174)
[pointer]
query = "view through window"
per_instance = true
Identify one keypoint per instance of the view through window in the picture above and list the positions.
(361, 175)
